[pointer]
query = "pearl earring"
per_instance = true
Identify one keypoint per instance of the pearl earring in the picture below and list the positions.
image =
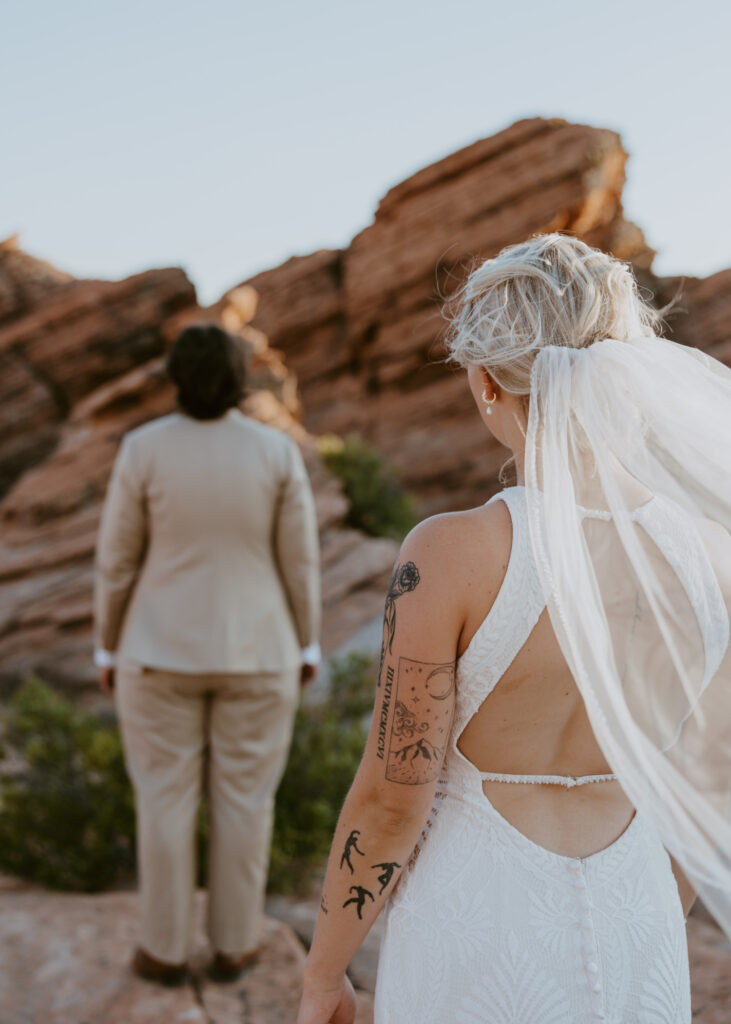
(489, 402)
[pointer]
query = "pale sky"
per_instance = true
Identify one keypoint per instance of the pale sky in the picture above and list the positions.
(226, 136)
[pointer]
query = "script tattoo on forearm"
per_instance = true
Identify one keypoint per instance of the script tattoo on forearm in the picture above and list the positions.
(404, 580)
(421, 724)
(351, 844)
(383, 717)
(323, 906)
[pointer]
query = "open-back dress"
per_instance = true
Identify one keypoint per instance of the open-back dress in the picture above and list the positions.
(485, 926)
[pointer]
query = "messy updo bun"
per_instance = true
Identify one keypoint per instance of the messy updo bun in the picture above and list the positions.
(552, 289)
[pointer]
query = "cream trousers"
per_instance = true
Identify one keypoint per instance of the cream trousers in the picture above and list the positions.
(238, 728)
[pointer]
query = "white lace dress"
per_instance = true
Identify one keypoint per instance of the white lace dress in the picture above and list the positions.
(487, 927)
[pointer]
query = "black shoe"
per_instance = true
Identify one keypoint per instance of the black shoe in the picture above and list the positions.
(150, 968)
(225, 968)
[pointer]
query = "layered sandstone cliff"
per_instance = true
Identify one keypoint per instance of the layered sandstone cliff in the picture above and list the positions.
(338, 341)
(362, 328)
(87, 365)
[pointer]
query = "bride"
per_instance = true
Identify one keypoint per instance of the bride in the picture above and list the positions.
(545, 786)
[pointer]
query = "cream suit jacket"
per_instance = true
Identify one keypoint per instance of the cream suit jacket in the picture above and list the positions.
(207, 559)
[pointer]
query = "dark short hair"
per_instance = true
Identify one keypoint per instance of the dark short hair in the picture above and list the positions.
(206, 364)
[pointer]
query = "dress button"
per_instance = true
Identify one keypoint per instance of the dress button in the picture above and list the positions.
(592, 967)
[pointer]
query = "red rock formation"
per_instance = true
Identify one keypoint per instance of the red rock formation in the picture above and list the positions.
(362, 328)
(29, 412)
(80, 363)
(94, 349)
(69, 338)
(702, 316)
(25, 281)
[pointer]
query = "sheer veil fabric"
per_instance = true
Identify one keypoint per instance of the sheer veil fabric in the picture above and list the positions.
(628, 485)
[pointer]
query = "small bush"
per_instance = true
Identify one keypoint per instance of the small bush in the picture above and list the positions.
(326, 750)
(66, 809)
(67, 815)
(378, 503)
(352, 686)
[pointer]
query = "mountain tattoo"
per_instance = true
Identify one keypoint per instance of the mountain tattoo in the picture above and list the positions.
(421, 722)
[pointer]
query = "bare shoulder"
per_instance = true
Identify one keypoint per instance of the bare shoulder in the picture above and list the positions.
(456, 538)
(457, 553)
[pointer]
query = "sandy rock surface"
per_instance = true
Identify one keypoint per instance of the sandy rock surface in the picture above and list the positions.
(65, 961)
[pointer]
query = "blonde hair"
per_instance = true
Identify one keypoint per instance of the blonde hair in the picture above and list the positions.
(552, 289)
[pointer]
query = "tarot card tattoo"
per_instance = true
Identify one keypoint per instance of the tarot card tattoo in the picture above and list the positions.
(421, 721)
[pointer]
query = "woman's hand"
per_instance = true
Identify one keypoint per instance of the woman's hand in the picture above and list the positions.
(327, 1004)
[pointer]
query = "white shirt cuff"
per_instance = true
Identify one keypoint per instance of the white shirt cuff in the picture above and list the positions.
(104, 659)
(311, 655)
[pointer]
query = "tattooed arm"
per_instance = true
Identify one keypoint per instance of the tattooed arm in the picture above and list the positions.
(393, 791)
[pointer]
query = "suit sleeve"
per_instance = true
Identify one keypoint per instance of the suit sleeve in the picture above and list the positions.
(121, 547)
(297, 548)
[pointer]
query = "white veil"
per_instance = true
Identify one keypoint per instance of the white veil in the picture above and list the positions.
(628, 481)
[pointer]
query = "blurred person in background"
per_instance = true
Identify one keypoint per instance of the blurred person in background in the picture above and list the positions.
(207, 617)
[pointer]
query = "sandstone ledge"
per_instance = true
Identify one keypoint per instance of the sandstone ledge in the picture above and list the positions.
(66, 961)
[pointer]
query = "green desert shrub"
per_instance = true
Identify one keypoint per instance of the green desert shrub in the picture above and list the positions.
(327, 745)
(378, 503)
(67, 808)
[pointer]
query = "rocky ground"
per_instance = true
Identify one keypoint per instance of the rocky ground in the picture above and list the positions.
(65, 961)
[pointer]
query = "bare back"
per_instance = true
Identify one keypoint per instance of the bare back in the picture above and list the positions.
(534, 721)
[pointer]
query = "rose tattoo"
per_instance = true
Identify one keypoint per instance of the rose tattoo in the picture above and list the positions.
(405, 579)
